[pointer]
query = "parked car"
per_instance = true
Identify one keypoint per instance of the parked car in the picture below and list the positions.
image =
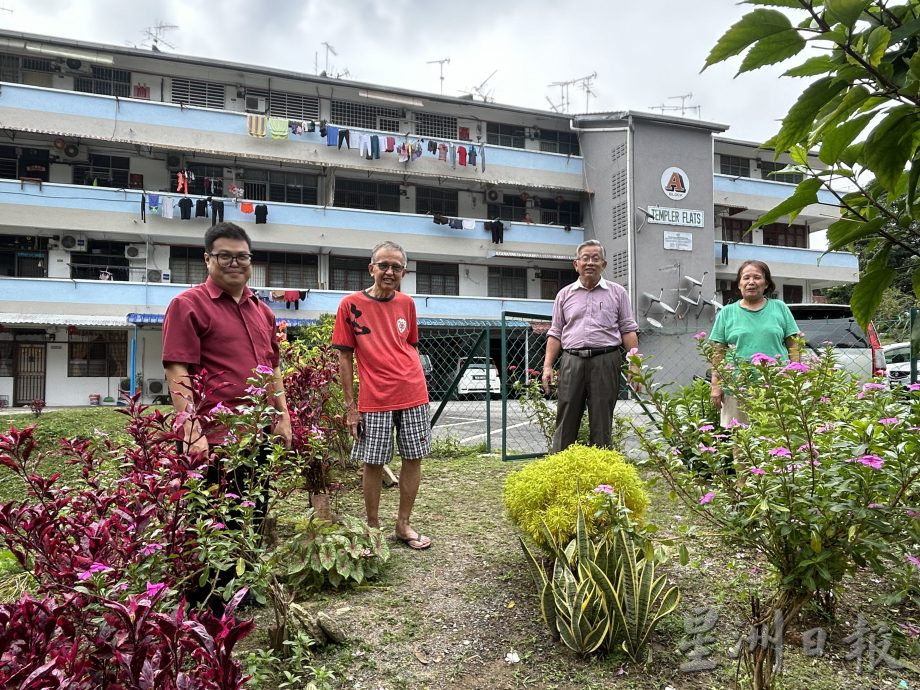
(897, 359)
(857, 351)
(474, 380)
(426, 368)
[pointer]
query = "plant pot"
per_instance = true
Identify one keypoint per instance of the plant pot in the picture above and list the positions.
(320, 504)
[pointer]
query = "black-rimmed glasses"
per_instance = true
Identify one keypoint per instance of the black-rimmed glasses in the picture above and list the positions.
(383, 267)
(225, 259)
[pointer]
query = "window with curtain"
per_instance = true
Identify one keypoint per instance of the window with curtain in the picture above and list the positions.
(97, 353)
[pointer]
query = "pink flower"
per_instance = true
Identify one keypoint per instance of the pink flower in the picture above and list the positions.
(873, 461)
(825, 399)
(914, 387)
(264, 369)
(154, 589)
(761, 358)
(700, 335)
(735, 424)
(220, 408)
(255, 390)
(230, 494)
(707, 427)
(218, 526)
(604, 489)
(913, 560)
(150, 549)
(874, 386)
(93, 569)
(757, 470)
(797, 366)
(247, 504)
(708, 449)
(707, 498)
(888, 420)
(632, 351)
(780, 452)
(824, 428)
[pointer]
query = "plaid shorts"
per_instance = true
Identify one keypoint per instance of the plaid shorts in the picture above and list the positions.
(413, 436)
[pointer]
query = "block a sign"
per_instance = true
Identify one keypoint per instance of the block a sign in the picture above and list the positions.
(674, 183)
(676, 216)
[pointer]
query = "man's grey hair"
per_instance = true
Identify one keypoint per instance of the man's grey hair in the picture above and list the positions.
(591, 243)
(387, 244)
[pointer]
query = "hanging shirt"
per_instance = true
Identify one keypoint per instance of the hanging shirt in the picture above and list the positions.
(261, 214)
(471, 155)
(185, 208)
(166, 208)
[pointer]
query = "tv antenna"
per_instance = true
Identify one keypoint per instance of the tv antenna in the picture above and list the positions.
(480, 90)
(155, 35)
(329, 49)
(441, 64)
(683, 108)
(555, 108)
(582, 82)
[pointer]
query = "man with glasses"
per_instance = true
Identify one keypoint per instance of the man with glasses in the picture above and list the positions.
(592, 320)
(220, 327)
(378, 327)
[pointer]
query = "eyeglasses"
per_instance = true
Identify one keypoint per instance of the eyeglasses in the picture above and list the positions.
(226, 259)
(384, 267)
(591, 259)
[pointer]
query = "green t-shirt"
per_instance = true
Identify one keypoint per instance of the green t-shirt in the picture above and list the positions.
(763, 331)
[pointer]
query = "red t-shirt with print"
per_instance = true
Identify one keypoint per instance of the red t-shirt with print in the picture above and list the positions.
(383, 335)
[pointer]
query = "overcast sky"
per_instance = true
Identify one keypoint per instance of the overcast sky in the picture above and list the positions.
(643, 52)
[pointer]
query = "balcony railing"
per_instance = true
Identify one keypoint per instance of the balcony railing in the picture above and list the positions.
(816, 258)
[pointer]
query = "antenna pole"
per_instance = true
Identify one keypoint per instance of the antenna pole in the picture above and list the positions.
(441, 65)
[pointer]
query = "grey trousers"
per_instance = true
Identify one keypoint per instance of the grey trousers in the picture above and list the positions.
(595, 380)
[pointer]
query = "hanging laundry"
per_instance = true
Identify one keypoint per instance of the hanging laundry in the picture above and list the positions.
(143, 207)
(153, 200)
(261, 214)
(311, 126)
(256, 124)
(469, 224)
(402, 153)
(167, 207)
(185, 208)
(440, 220)
(322, 128)
(292, 298)
(464, 133)
(364, 145)
(217, 210)
(277, 295)
(442, 152)
(182, 182)
(471, 155)
(278, 126)
(375, 146)
(482, 156)
(345, 137)
(452, 154)
(201, 208)
(432, 146)
(455, 224)
(497, 228)
(417, 150)
(332, 135)
(247, 207)
(461, 155)
(391, 144)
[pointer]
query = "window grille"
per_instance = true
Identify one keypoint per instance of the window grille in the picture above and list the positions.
(292, 188)
(32, 64)
(437, 278)
(186, 264)
(348, 114)
(507, 281)
(560, 213)
(98, 353)
(734, 165)
(736, 230)
(9, 68)
(106, 171)
(793, 294)
(436, 200)
(559, 142)
(294, 106)
(782, 235)
(285, 270)
(101, 255)
(435, 126)
(504, 135)
(553, 280)
(202, 94)
(348, 274)
(366, 194)
(511, 208)
(768, 170)
(9, 164)
(105, 81)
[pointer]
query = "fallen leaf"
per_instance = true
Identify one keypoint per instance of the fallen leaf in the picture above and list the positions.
(510, 604)
(421, 657)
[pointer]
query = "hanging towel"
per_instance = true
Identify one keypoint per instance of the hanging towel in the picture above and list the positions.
(332, 135)
(247, 207)
(256, 125)
(153, 200)
(469, 224)
(278, 127)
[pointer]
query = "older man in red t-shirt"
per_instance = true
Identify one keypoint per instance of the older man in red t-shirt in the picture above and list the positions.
(378, 327)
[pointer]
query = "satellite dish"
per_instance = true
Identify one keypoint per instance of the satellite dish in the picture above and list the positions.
(650, 296)
(716, 303)
(667, 307)
(694, 280)
(689, 301)
(653, 322)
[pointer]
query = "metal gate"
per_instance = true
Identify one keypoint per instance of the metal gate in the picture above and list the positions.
(28, 373)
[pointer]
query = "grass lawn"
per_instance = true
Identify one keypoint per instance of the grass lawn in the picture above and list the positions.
(447, 617)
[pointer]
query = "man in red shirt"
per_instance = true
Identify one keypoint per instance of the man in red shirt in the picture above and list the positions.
(379, 327)
(221, 327)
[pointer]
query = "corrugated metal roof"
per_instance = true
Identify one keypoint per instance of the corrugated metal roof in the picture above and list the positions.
(423, 322)
(63, 320)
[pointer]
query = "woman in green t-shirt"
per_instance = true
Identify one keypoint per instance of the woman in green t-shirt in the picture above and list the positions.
(753, 325)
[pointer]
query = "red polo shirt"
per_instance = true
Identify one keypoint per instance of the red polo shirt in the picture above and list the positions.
(205, 328)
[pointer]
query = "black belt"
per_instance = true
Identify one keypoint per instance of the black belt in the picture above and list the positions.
(587, 352)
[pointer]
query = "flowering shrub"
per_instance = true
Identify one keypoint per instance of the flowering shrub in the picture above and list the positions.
(822, 481)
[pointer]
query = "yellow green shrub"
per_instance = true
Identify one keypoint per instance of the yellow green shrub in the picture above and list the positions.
(549, 491)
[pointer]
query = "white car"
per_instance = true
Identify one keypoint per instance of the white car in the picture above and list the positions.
(481, 376)
(897, 358)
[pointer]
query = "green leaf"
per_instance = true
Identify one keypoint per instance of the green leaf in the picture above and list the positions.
(908, 30)
(912, 180)
(806, 193)
(915, 280)
(794, 4)
(836, 140)
(683, 554)
(867, 294)
(853, 154)
(845, 105)
(877, 45)
(751, 28)
(820, 64)
(847, 12)
(886, 154)
(843, 232)
(800, 119)
(240, 566)
(914, 64)
(772, 49)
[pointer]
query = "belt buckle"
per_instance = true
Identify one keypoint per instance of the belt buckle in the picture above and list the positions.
(585, 354)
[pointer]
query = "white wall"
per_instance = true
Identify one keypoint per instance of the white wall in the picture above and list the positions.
(474, 280)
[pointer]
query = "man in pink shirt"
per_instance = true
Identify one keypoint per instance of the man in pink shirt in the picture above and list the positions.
(592, 320)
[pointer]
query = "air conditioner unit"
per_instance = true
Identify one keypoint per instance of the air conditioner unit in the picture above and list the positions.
(155, 387)
(53, 244)
(493, 196)
(73, 243)
(136, 251)
(75, 66)
(254, 104)
(154, 275)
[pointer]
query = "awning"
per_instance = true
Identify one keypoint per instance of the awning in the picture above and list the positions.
(157, 319)
(62, 320)
(423, 322)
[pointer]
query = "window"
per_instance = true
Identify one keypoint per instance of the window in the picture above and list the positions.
(782, 235)
(364, 116)
(284, 270)
(292, 187)
(97, 353)
(206, 176)
(437, 126)
(734, 165)
(505, 135)
(102, 255)
(6, 358)
(436, 200)
(105, 81)
(186, 264)
(792, 294)
(9, 164)
(552, 280)
(560, 212)
(349, 274)
(106, 171)
(559, 142)
(437, 279)
(768, 172)
(512, 207)
(203, 94)
(736, 230)
(505, 281)
(290, 105)
(373, 196)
